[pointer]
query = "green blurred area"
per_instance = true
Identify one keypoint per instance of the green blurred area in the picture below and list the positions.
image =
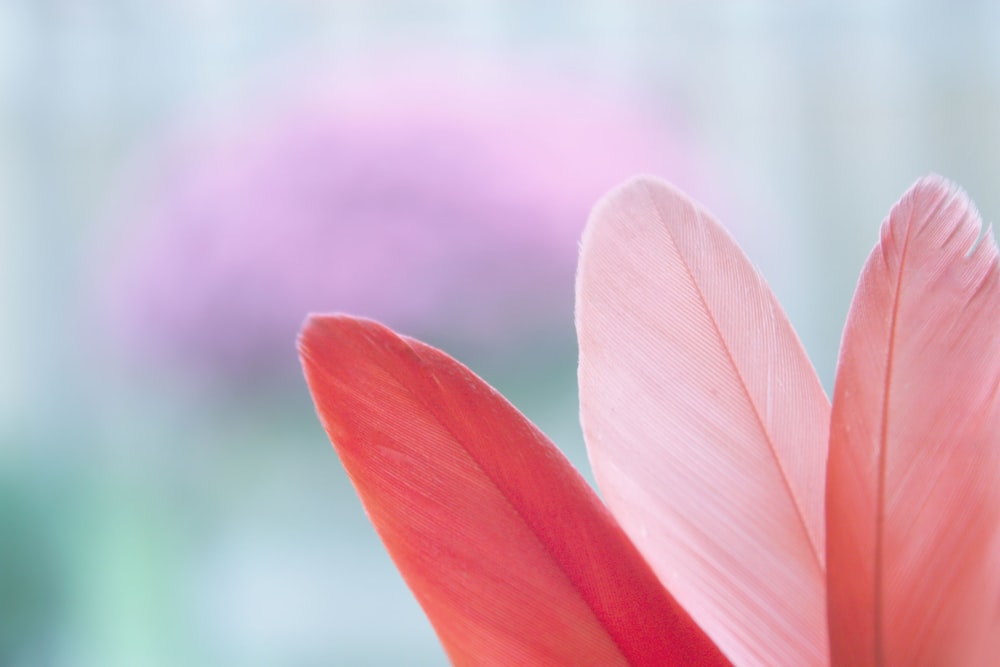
(32, 577)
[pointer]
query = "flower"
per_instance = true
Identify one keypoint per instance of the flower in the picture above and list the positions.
(748, 520)
(415, 193)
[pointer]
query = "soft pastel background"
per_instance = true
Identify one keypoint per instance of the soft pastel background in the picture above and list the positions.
(180, 183)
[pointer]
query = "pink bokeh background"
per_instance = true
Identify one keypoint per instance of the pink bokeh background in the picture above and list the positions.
(442, 198)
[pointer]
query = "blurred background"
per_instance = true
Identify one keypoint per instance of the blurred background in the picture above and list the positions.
(180, 183)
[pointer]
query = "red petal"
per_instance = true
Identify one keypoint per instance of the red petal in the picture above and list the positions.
(510, 553)
(913, 488)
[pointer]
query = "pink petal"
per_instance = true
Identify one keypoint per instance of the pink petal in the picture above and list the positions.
(913, 493)
(705, 422)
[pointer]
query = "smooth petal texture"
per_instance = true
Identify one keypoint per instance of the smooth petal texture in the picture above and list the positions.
(914, 475)
(510, 553)
(706, 424)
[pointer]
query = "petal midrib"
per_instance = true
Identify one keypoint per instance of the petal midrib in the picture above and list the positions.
(786, 482)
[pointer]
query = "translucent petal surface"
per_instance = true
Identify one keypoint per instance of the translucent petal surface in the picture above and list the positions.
(705, 423)
(914, 474)
(510, 553)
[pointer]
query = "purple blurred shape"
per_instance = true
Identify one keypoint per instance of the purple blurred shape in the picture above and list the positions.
(446, 204)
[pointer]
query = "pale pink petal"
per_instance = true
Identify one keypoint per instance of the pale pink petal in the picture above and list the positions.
(706, 424)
